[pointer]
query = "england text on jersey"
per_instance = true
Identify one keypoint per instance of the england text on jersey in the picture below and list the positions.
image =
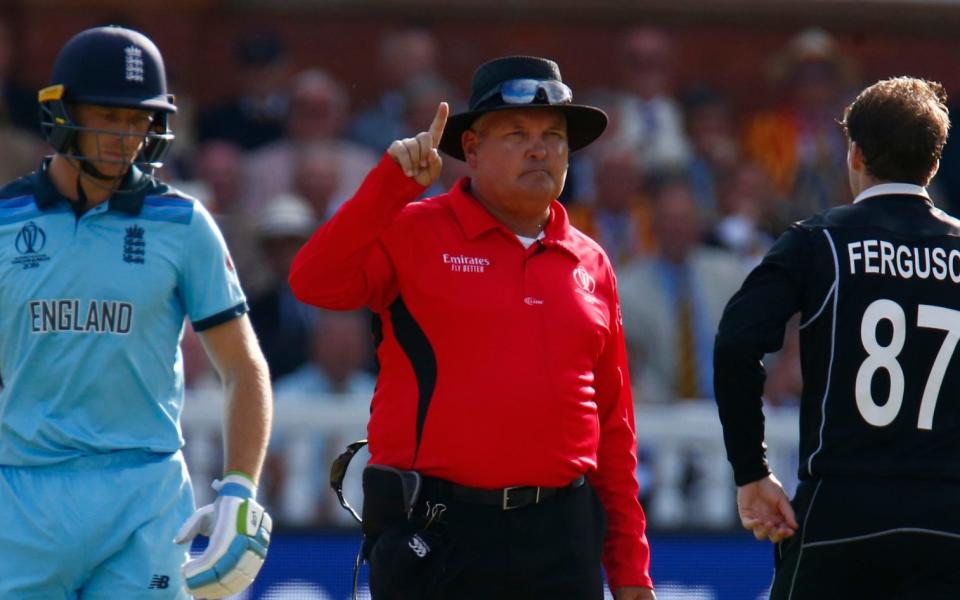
(880, 257)
(97, 316)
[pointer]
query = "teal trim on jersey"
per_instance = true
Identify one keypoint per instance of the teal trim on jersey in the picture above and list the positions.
(16, 202)
(26, 213)
(181, 202)
(173, 210)
(15, 191)
(17, 214)
(93, 311)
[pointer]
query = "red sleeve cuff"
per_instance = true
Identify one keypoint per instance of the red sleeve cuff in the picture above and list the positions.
(392, 173)
(632, 569)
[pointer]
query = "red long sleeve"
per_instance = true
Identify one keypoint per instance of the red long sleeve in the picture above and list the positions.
(626, 554)
(343, 265)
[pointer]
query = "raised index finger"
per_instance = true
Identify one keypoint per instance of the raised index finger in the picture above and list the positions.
(439, 122)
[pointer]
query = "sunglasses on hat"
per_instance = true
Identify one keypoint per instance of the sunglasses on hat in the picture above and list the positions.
(525, 91)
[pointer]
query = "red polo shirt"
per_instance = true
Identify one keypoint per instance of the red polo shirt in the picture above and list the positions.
(499, 365)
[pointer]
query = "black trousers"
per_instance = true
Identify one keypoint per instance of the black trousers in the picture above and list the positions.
(896, 540)
(546, 551)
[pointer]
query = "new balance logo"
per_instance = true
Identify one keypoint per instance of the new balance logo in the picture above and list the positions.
(159, 582)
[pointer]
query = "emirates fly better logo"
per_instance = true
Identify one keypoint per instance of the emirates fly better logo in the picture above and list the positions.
(460, 263)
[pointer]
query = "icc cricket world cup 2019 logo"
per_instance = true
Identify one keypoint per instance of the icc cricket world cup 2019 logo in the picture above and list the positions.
(31, 239)
(584, 280)
(586, 284)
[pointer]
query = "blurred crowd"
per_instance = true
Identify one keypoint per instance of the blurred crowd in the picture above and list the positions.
(684, 191)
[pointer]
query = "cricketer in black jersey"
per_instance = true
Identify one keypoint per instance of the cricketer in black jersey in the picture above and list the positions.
(877, 511)
(876, 287)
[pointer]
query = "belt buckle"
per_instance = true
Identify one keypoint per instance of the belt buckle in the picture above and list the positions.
(506, 496)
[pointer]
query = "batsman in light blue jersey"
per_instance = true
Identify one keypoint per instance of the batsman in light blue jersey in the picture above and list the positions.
(100, 265)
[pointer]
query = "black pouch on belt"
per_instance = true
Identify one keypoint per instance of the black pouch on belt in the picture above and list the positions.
(408, 565)
(389, 496)
(406, 551)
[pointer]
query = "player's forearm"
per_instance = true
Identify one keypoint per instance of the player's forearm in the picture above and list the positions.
(248, 418)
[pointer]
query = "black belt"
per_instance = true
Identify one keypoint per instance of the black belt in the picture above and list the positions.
(507, 498)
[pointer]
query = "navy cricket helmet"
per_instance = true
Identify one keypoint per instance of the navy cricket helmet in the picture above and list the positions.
(108, 66)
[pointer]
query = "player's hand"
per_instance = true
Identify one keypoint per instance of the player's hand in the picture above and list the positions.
(634, 593)
(765, 510)
(239, 532)
(418, 156)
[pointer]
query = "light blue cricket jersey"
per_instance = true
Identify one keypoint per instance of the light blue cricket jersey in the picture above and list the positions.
(91, 315)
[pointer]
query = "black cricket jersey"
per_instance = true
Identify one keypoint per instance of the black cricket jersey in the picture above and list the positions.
(877, 286)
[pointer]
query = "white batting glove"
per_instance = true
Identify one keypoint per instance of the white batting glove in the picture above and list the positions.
(239, 532)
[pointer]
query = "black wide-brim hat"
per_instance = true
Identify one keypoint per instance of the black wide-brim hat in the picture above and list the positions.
(584, 123)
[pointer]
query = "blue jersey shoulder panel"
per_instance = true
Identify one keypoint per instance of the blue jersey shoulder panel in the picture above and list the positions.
(17, 188)
(17, 201)
(168, 204)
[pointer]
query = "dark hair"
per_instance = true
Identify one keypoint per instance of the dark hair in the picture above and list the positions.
(900, 125)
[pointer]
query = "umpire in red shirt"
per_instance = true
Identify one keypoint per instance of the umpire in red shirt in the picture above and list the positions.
(503, 377)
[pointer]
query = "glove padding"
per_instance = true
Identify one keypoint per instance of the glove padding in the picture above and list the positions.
(239, 532)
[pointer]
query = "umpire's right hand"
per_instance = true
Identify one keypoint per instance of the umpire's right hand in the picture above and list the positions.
(418, 156)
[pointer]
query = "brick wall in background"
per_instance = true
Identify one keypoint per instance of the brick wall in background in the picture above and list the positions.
(727, 49)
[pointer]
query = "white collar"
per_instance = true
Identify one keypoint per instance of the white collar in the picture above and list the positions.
(528, 241)
(886, 189)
